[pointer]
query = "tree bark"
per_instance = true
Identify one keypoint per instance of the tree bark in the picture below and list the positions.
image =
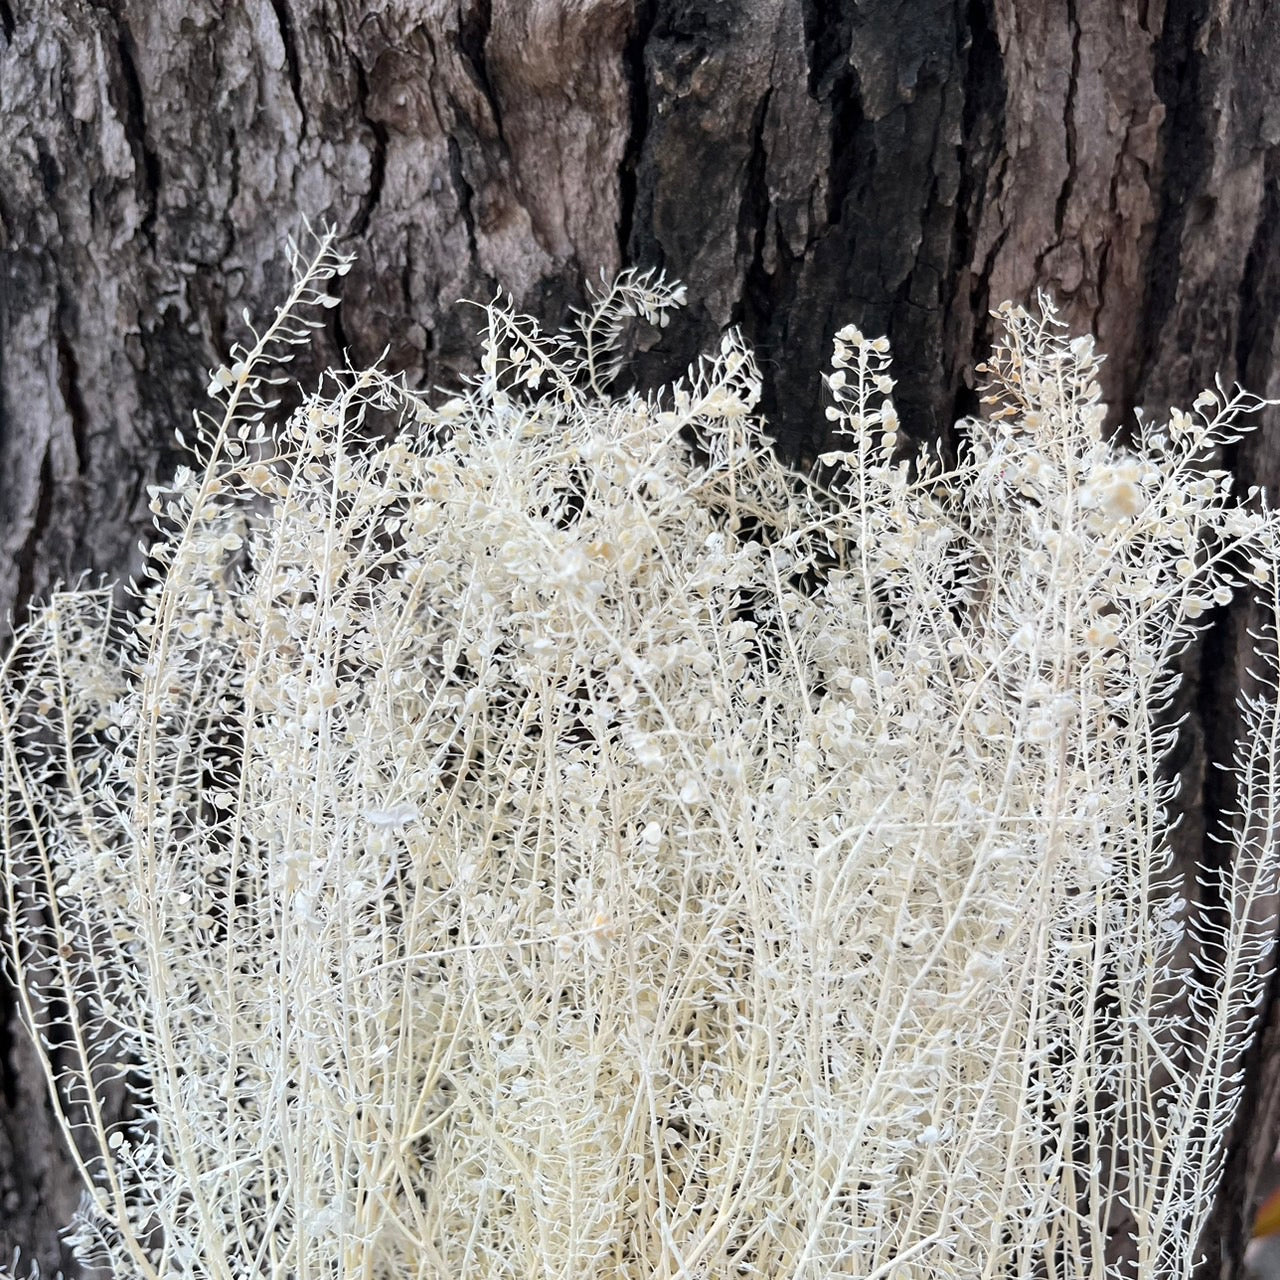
(800, 164)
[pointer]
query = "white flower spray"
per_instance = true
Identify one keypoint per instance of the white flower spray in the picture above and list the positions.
(552, 839)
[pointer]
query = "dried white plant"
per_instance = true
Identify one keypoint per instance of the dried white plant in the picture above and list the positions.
(509, 841)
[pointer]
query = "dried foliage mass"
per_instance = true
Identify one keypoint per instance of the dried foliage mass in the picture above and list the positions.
(540, 835)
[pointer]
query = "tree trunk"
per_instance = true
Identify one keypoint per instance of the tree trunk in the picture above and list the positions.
(800, 164)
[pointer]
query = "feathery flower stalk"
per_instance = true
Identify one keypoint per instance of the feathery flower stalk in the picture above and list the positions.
(551, 838)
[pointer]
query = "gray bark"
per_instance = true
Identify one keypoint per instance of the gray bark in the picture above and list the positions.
(800, 164)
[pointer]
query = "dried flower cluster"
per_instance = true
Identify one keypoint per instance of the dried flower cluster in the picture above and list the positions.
(540, 836)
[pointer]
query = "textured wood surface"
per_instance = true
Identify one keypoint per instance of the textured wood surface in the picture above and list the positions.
(800, 164)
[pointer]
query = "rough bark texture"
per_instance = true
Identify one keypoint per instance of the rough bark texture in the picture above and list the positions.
(901, 164)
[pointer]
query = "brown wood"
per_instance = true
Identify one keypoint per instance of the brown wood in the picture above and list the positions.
(800, 164)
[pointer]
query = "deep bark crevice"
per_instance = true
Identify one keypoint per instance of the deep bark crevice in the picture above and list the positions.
(1186, 152)
(473, 37)
(372, 194)
(636, 74)
(146, 161)
(284, 20)
(233, 180)
(982, 122)
(27, 559)
(753, 211)
(50, 174)
(1069, 123)
(826, 30)
(466, 194)
(833, 79)
(9, 1090)
(72, 396)
(1259, 293)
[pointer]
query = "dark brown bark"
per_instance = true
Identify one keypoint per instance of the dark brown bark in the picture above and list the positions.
(901, 164)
